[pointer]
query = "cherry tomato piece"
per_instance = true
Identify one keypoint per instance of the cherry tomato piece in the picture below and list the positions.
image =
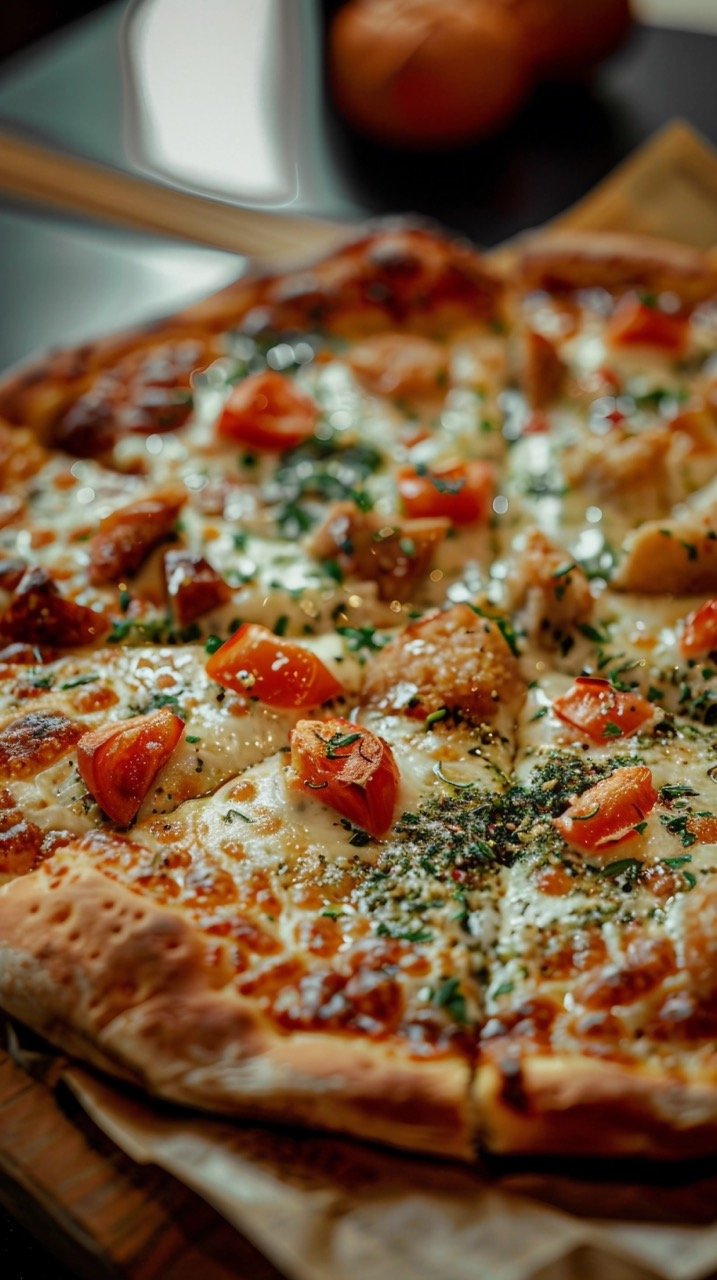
(594, 707)
(610, 811)
(119, 762)
(266, 411)
(348, 768)
(700, 633)
(635, 323)
(279, 673)
(460, 492)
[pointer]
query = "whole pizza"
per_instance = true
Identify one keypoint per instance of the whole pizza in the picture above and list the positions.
(358, 698)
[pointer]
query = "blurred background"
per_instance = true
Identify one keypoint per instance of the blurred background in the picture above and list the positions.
(489, 115)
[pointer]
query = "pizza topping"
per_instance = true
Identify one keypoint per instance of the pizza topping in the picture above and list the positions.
(21, 455)
(128, 535)
(279, 673)
(461, 492)
(394, 554)
(39, 614)
(645, 965)
(347, 768)
(119, 762)
(638, 322)
(544, 372)
(11, 573)
(551, 590)
(267, 411)
(450, 663)
(403, 366)
(147, 391)
(193, 586)
(609, 812)
(700, 631)
(703, 827)
(701, 939)
(34, 742)
(26, 655)
(600, 711)
(684, 547)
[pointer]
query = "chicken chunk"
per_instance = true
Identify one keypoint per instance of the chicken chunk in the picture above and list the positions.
(551, 592)
(394, 554)
(456, 662)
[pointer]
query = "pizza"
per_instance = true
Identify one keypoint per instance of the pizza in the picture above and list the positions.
(358, 698)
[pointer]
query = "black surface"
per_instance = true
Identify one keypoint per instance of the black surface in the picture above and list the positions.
(29, 20)
(62, 282)
(22, 1258)
(564, 141)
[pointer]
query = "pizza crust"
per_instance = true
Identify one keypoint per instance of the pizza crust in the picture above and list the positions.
(341, 283)
(573, 1105)
(615, 261)
(133, 988)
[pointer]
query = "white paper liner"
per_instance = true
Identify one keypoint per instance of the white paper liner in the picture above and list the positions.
(323, 1209)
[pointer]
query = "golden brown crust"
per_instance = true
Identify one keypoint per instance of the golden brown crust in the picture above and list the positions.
(567, 260)
(398, 273)
(566, 1104)
(132, 987)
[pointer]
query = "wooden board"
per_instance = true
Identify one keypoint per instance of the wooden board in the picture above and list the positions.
(94, 1209)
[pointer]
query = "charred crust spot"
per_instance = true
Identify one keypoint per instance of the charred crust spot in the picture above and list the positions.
(36, 741)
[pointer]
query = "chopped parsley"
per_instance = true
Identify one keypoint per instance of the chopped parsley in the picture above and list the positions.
(79, 680)
(336, 743)
(231, 814)
(448, 996)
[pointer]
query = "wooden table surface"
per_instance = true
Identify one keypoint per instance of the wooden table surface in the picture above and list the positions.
(98, 1213)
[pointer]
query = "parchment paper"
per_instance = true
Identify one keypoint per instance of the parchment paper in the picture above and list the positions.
(326, 1209)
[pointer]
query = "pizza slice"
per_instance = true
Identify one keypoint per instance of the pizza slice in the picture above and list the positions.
(297, 945)
(123, 733)
(601, 1006)
(614, 420)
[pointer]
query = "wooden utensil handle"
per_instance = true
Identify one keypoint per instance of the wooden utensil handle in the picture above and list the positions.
(74, 185)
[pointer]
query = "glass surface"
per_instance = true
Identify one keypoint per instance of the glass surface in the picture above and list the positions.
(64, 283)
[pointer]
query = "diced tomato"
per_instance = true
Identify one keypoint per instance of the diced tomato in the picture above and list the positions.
(703, 828)
(266, 411)
(280, 674)
(609, 812)
(119, 762)
(601, 712)
(461, 492)
(636, 324)
(700, 632)
(347, 768)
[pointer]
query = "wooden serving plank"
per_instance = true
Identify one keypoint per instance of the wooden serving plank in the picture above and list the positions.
(99, 1213)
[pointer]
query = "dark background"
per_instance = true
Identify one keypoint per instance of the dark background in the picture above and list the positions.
(24, 21)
